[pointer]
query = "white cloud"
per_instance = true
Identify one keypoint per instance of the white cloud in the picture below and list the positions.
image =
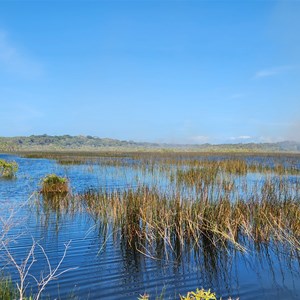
(241, 137)
(272, 71)
(266, 73)
(13, 61)
(199, 139)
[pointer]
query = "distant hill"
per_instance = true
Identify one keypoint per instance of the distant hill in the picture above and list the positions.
(89, 143)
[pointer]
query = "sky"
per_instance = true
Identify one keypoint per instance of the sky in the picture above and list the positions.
(157, 71)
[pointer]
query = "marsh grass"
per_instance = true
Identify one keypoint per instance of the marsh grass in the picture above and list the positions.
(7, 290)
(149, 217)
(206, 199)
(54, 185)
(8, 169)
(202, 202)
(231, 162)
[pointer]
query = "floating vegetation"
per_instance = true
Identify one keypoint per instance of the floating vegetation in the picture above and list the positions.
(8, 169)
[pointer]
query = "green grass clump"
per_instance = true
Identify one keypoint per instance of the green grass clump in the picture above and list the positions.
(7, 291)
(199, 295)
(53, 184)
(8, 169)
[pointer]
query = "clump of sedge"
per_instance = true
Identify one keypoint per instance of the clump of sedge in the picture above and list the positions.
(53, 184)
(8, 169)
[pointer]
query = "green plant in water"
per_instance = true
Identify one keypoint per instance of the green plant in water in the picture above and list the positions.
(7, 290)
(8, 169)
(54, 184)
(199, 295)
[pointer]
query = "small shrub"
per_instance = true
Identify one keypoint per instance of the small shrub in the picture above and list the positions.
(199, 295)
(8, 169)
(53, 184)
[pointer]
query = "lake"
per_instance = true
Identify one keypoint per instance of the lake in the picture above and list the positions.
(103, 265)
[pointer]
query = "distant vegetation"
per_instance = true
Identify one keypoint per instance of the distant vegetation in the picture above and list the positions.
(67, 142)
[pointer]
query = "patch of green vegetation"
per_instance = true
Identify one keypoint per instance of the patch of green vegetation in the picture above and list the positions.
(7, 290)
(53, 183)
(199, 295)
(8, 169)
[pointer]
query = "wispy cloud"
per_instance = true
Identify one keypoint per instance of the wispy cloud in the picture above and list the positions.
(199, 139)
(272, 71)
(13, 61)
(241, 137)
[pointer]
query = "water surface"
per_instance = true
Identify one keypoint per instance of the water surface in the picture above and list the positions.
(107, 268)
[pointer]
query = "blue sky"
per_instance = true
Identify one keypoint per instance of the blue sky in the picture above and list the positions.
(160, 71)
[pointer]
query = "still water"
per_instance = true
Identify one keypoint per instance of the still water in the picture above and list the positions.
(103, 266)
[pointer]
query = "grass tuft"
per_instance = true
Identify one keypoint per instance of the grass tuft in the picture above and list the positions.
(8, 169)
(53, 184)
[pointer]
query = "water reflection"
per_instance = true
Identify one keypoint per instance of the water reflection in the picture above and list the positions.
(115, 264)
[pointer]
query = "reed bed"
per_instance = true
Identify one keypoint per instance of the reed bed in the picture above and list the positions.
(150, 217)
(231, 166)
(195, 200)
(233, 163)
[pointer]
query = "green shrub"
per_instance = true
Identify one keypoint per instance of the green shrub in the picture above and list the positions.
(8, 169)
(199, 295)
(53, 184)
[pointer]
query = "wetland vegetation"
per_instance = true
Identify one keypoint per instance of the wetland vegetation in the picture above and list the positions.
(195, 210)
(8, 169)
(53, 184)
